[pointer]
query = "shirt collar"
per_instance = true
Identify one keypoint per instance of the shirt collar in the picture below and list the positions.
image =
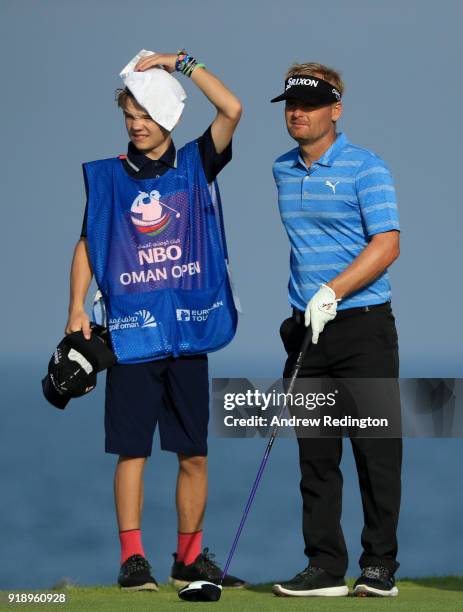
(137, 160)
(329, 155)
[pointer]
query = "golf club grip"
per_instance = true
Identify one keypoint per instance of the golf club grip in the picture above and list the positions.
(306, 341)
(305, 345)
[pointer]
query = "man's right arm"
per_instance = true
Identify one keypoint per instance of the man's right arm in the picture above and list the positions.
(81, 277)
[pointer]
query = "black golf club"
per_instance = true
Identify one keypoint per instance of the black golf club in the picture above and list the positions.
(202, 590)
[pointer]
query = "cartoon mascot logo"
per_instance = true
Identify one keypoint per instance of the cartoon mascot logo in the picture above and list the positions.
(149, 215)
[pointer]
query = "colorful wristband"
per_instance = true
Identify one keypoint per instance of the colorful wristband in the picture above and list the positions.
(185, 63)
(181, 55)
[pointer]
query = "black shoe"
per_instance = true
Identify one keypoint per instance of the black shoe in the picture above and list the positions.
(312, 582)
(375, 581)
(203, 568)
(135, 575)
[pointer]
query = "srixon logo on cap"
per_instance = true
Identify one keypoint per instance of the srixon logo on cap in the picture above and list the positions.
(301, 81)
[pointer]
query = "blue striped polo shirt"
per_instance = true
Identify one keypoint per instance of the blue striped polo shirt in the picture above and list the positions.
(330, 212)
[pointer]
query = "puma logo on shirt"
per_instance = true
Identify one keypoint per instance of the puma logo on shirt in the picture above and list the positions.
(332, 185)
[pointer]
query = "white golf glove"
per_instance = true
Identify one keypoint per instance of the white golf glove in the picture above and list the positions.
(320, 309)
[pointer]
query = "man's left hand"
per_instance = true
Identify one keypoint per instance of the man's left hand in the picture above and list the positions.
(167, 61)
(320, 309)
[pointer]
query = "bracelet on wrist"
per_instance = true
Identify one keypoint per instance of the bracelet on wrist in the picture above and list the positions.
(189, 67)
(181, 54)
(185, 63)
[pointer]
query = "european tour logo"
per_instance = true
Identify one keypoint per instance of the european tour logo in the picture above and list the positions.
(186, 314)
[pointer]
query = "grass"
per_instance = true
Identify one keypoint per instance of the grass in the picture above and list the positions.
(442, 594)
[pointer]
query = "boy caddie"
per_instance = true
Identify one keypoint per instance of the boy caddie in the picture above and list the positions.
(153, 238)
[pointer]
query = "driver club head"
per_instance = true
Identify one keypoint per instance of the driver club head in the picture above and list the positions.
(201, 590)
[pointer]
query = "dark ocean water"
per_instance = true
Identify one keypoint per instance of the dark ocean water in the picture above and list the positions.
(57, 516)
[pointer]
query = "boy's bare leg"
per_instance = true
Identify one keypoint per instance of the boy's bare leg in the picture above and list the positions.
(191, 493)
(128, 492)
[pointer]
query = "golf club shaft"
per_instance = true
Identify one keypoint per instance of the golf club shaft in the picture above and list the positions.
(300, 358)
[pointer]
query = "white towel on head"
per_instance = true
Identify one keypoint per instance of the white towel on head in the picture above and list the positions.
(156, 90)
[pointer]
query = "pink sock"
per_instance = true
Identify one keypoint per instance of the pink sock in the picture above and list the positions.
(189, 546)
(130, 544)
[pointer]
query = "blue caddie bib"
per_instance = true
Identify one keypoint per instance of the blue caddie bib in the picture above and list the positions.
(158, 253)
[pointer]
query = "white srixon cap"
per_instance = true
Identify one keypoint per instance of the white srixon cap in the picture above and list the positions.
(156, 90)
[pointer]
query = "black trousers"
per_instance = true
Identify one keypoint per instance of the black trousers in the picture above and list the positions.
(358, 343)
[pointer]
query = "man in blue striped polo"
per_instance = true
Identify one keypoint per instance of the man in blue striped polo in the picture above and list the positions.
(338, 206)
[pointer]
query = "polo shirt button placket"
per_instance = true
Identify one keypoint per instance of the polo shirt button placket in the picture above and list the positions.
(304, 191)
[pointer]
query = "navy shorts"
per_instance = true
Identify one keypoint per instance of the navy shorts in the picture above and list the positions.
(171, 392)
